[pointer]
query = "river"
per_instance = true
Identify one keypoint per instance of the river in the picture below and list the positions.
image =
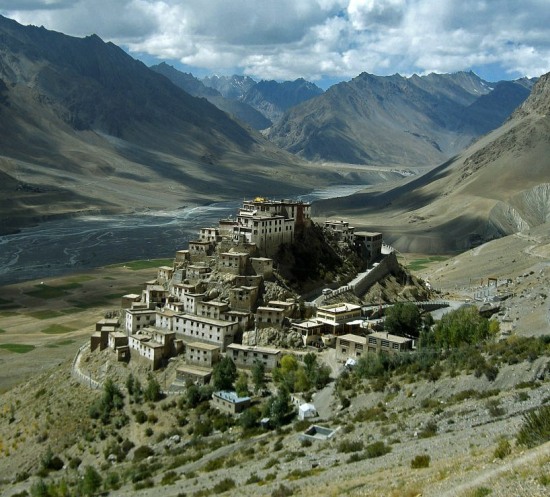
(55, 248)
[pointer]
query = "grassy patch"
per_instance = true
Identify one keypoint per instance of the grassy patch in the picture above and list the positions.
(56, 329)
(53, 292)
(46, 314)
(2, 331)
(89, 304)
(113, 296)
(19, 348)
(146, 264)
(8, 304)
(7, 314)
(419, 264)
(72, 310)
(81, 279)
(60, 343)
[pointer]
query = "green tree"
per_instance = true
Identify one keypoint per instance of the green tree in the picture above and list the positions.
(403, 319)
(258, 376)
(137, 391)
(193, 396)
(250, 418)
(280, 407)
(91, 481)
(302, 382)
(130, 382)
(39, 489)
(464, 326)
(241, 385)
(285, 374)
(224, 374)
(153, 392)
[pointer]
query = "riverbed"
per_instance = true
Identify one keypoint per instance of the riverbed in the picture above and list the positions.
(60, 247)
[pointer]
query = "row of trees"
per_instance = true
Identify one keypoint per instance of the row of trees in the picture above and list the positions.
(463, 326)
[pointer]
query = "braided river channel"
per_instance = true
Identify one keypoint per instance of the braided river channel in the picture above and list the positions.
(60, 247)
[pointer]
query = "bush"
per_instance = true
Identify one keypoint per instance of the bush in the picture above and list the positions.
(420, 461)
(346, 446)
(430, 430)
(143, 452)
(169, 478)
(503, 449)
(494, 408)
(376, 449)
(282, 491)
(141, 417)
(224, 485)
(536, 427)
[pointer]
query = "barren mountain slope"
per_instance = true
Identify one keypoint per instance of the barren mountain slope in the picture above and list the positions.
(84, 127)
(395, 120)
(497, 186)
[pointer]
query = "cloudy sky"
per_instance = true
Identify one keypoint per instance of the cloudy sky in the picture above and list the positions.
(321, 40)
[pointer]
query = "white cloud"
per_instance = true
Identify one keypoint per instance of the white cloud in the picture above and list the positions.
(286, 39)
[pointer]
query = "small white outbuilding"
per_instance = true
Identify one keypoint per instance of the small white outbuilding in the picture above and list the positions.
(307, 411)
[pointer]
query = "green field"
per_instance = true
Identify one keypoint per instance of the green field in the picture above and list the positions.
(53, 292)
(56, 329)
(148, 264)
(7, 314)
(60, 343)
(46, 314)
(419, 264)
(18, 348)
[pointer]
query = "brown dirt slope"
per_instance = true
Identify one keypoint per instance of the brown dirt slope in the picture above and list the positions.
(496, 187)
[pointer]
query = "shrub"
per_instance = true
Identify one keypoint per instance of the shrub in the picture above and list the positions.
(494, 408)
(112, 481)
(143, 452)
(224, 485)
(169, 478)
(355, 457)
(253, 478)
(376, 449)
(503, 449)
(420, 461)
(214, 464)
(430, 430)
(141, 417)
(536, 427)
(481, 492)
(147, 483)
(346, 446)
(282, 491)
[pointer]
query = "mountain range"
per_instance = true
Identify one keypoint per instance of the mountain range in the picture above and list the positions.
(498, 186)
(84, 127)
(394, 120)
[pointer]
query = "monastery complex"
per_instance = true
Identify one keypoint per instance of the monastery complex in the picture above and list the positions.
(200, 308)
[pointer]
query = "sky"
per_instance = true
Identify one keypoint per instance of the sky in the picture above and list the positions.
(324, 41)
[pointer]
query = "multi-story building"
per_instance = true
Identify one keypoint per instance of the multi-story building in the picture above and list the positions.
(335, 317)
(202, 354)
(373, 241)
(203, 329)
(245, 356)
(341, 230)
(354, 346)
